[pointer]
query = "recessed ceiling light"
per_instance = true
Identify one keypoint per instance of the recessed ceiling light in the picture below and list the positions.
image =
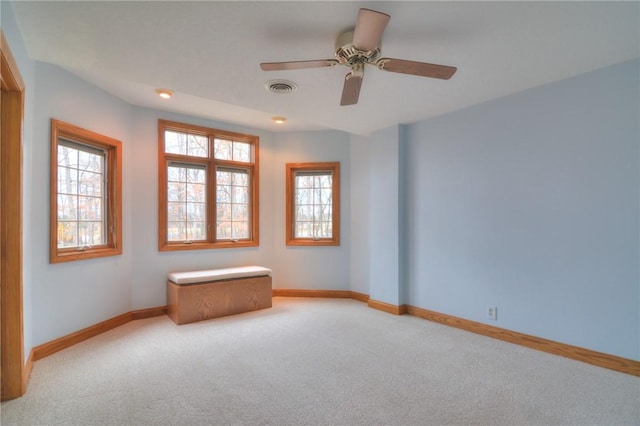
(164, 93)
(279, 120)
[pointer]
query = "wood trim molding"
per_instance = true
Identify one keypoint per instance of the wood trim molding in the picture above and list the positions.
(9, 72)
(12, 359)
(360, 297)
(330, 294)
(387, 307)
(49, 348)
(28, 366)
(148, 313)
(599, 359)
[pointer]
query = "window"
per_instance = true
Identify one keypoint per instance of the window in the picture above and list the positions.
(86, 194)
(208, 191)
(313, 204)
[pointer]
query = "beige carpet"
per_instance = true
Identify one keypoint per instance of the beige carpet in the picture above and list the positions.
(315, 362)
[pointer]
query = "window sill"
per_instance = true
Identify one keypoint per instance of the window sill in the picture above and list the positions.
(71, 255)
(206, 246)
(312, 242)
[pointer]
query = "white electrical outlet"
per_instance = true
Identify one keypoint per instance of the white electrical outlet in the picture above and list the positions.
(492, 313)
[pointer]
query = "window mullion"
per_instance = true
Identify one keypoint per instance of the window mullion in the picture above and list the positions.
(211, 201)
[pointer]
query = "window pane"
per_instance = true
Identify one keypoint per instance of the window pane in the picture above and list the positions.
(241, 179)
(241, 152)
(176, 174)
(196, 175)
(67, 156)
(176, 212)
(232, 221)
(80, 194)
(196, 212)
(89, 162)
(196, 231)
(198, 146)
(223, 230)
(186, 202)
(175, 142)
(312, 210)
(90, 184)
(224, 194)
(67, 234)
(89, 208)
(303, 230)
(89, 233)
(67, 207)
(240, 194)
(196, 192)
(176, 231)
(186, 144)
(176, 191)
(67, 180)
(239, 212)
(241, 230)
(223, 178)
(223, 149)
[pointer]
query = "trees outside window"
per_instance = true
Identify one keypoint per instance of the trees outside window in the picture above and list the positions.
(313, 204)
(208, 188)
(86, 194)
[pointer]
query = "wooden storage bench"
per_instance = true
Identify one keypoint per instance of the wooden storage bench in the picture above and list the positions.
(200, 295)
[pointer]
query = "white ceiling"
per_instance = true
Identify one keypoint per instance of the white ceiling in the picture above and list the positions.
(209, 54)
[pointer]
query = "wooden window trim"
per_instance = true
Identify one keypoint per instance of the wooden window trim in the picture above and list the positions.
(113, 163)
(253, 168)
(291, 169)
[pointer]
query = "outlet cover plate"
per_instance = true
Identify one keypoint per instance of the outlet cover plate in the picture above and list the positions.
(492, 312)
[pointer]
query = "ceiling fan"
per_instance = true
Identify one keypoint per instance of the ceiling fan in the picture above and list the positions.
(361, 47)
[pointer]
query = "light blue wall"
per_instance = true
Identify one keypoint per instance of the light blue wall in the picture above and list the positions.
(319, 268)
(531, 203)
(384, 214)
(27, 70)
(360, 223)
(69, 296)
(72, 295)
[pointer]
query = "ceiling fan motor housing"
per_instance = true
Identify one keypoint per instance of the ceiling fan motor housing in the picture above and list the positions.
(348, 54)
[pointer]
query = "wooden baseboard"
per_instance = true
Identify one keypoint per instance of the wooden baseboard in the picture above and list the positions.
(148, 313)
(387, 307)
(49, 348)
(28, 366)
(330, 294)
(599, 359)
(360, 297)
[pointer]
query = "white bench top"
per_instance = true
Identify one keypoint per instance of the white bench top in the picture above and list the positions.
(193, 277)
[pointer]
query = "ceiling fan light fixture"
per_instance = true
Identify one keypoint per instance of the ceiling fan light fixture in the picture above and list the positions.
(279, 120)
(164, 93)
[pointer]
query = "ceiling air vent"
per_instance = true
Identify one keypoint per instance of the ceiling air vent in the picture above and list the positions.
(281, 86)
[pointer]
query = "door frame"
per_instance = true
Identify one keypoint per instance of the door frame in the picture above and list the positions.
(13, 371)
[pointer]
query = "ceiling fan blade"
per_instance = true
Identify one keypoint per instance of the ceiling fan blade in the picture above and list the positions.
(297, 65)
(421, 69)
(369, 28)
(351, 89)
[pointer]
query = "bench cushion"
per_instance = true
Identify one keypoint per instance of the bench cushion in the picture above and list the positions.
(193, 277)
